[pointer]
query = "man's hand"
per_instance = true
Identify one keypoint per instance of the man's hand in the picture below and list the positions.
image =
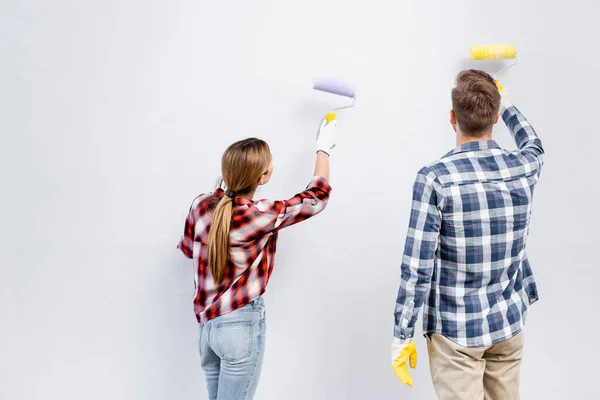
(504, 100)
(403, 351)
(500, 88)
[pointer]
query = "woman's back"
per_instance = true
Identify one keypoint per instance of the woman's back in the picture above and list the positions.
(232, 240)
(253, 240)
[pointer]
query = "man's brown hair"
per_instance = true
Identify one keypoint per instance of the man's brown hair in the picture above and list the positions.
(475, 101)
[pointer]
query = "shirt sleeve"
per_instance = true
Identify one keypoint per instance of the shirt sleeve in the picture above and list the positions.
(419, 252)
(186, 244)
(526, 138)
(302, 206)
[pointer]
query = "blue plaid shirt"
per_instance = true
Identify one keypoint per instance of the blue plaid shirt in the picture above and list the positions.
(465, 254)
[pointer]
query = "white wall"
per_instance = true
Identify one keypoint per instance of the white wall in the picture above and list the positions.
(114, 115)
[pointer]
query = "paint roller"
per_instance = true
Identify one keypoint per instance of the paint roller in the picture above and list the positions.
(337, 87)
(495, 52)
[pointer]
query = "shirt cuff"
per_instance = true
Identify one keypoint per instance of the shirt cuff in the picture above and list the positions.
(320, 183)
(404, 334)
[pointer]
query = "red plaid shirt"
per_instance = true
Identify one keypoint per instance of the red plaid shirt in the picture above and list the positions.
(253, 241)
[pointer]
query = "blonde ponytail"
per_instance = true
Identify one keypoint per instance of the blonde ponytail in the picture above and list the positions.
(243, 164)
(218, 239)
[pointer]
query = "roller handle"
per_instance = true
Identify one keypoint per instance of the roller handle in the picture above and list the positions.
(329, 117)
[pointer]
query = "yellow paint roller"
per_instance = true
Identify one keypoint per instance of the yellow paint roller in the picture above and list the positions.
(495, 52)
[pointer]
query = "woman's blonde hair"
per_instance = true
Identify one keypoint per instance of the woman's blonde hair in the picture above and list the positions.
(242, 165)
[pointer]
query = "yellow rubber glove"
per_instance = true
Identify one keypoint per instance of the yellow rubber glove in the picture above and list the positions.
(401, 353)
(500, 88)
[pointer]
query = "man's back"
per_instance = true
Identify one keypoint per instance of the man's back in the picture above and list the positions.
(465, 254)
(482, 284)
(465, 248)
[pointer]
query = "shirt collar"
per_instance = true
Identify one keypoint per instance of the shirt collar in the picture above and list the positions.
(474, 146)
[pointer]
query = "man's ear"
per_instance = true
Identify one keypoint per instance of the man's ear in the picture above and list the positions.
(452, 117)
(497, 119)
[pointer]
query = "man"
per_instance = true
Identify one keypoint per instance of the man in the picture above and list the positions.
(465, 254)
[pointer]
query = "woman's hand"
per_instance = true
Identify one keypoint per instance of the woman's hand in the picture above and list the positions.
(325, 143)
(327, 136)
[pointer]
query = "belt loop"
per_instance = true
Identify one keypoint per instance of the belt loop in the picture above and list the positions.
(257, 302)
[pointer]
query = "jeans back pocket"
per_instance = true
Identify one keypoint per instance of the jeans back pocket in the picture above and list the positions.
(234, 340)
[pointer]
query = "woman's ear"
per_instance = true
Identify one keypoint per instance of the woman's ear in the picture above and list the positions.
(266, 177)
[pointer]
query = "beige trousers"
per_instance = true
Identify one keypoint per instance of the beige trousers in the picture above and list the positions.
(467, 373)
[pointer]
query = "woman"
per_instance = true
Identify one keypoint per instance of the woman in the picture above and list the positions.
(232, 240)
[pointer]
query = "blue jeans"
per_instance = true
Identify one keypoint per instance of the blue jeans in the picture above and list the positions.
(231, 352)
